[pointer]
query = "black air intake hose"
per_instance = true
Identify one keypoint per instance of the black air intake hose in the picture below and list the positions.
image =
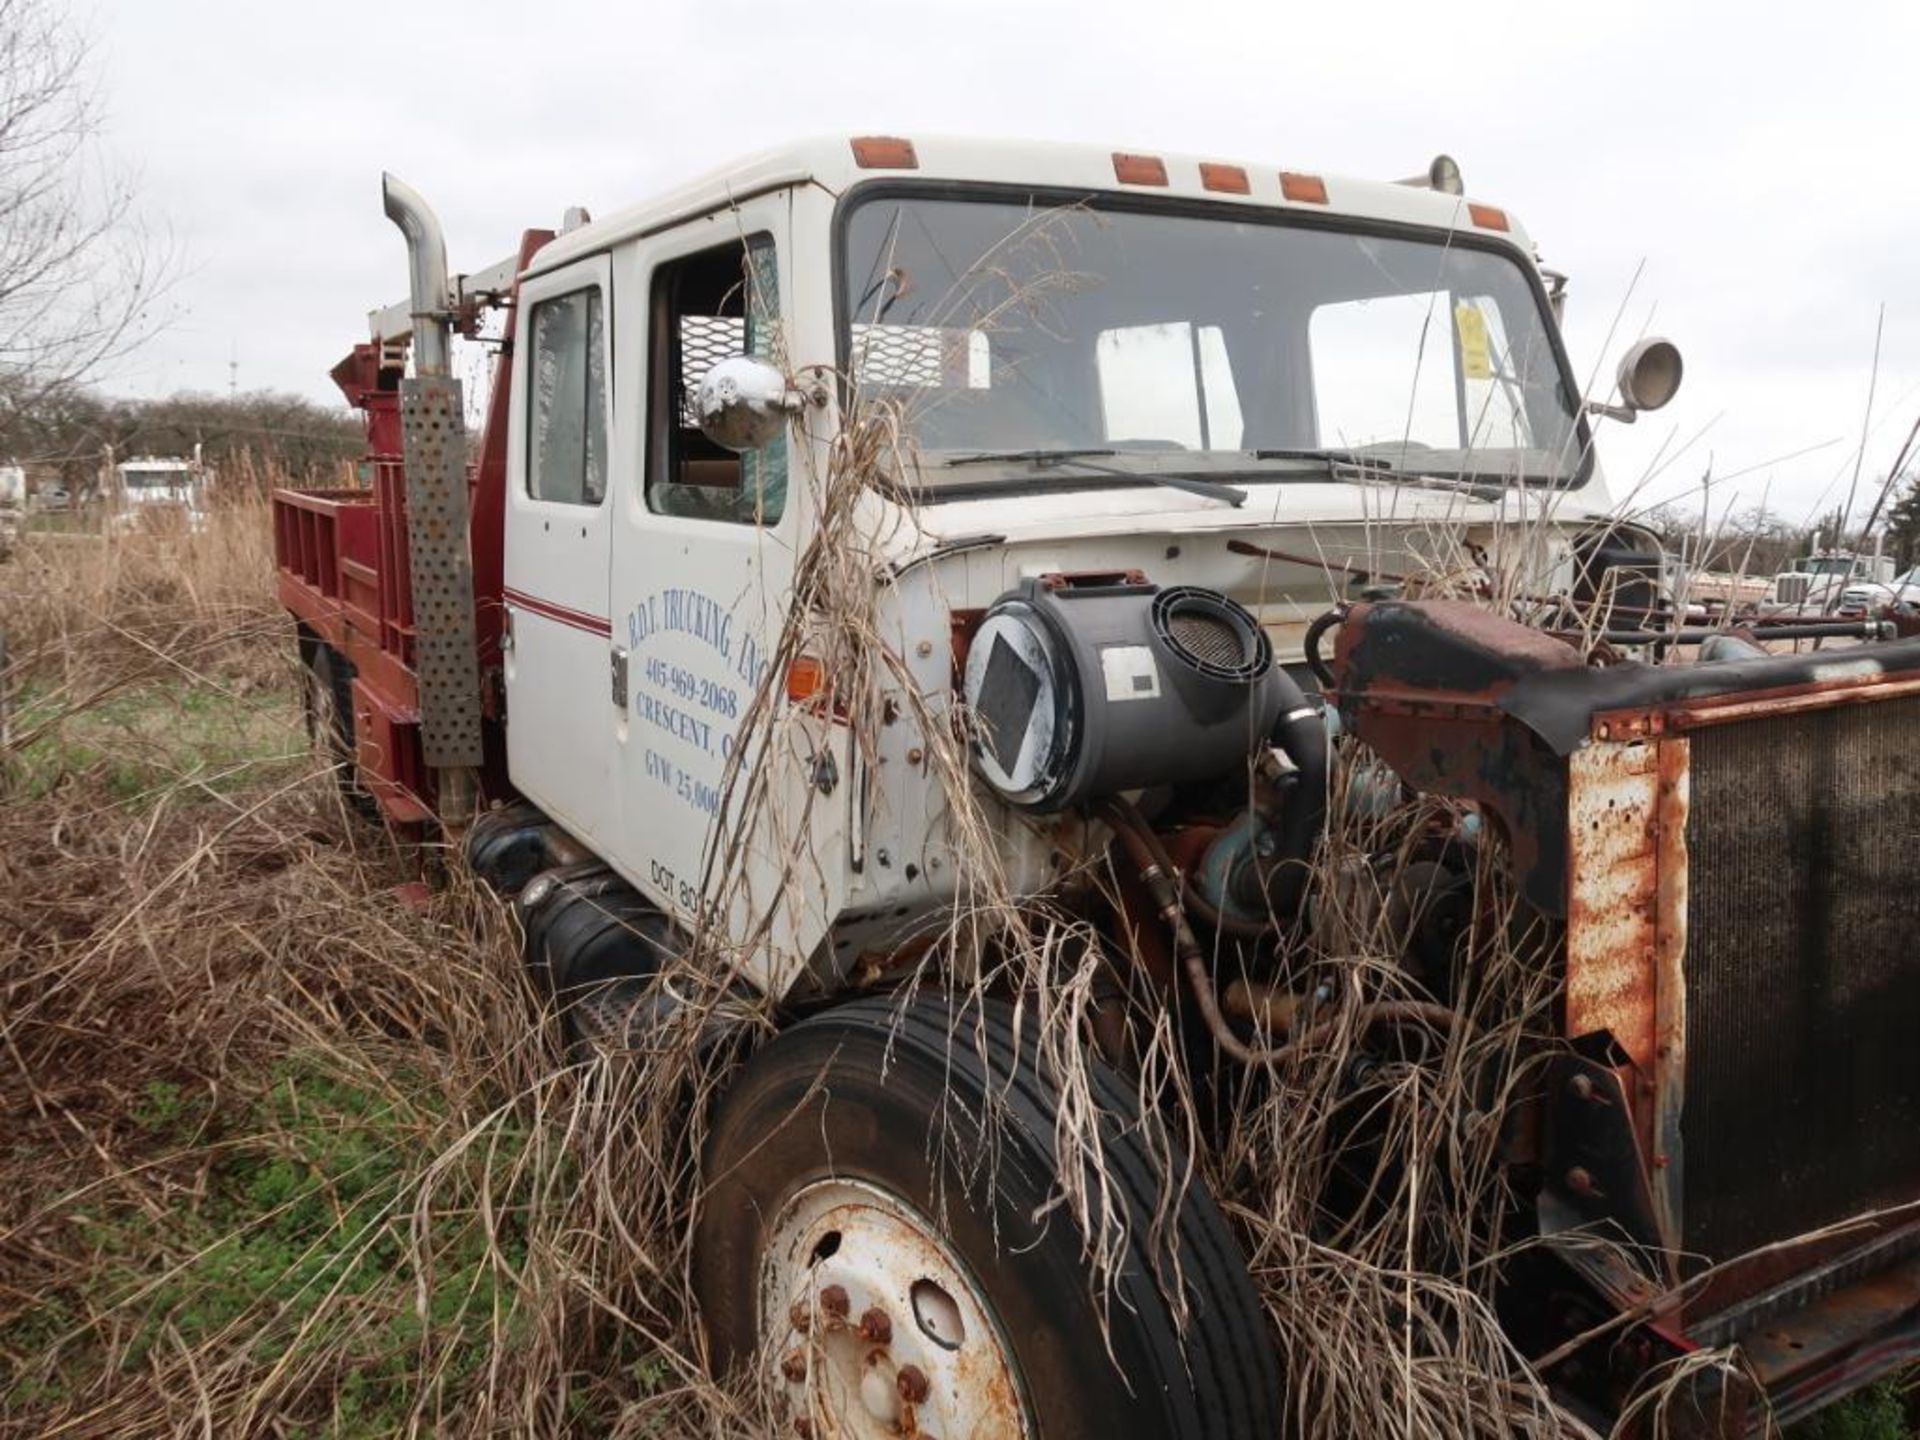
(1301, 735)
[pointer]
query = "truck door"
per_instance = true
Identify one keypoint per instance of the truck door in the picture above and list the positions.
(559, 685)
(704, 551)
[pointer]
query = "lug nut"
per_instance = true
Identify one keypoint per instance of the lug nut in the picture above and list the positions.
(800, 1316)
(834, 1303)
(912, 1383)
(1581, 1182)
(794, 1367)
(876, 1328)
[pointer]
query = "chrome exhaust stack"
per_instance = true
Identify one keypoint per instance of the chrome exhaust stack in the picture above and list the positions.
(426, 273)
(440, 556)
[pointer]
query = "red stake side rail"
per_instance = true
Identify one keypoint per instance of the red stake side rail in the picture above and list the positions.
(343, 566)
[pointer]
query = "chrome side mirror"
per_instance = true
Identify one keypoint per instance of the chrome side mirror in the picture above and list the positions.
(743, 403)
(1649, 376)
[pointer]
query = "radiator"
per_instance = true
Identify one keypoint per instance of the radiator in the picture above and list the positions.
(1802, 1099)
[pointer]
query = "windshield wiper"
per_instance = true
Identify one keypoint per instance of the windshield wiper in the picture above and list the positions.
(1369, 463)
(1331, 457)
(1079, 458)
(1027, 457)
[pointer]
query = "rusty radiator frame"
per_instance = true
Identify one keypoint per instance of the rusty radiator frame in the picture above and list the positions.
(1586, 775)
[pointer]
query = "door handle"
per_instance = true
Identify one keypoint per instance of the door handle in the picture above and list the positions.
(617, 677)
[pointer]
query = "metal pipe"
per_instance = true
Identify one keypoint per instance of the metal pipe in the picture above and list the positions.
(426, 274)
(1812, 630)
(1301, 733)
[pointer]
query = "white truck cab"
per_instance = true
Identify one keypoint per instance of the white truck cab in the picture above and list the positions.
(1286, 387)
(1816, 582)
(13, 506)
(152, 488)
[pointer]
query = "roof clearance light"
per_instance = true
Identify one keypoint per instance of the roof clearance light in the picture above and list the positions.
(1308, 189)
(1488, 218)
(884, 152)
(1139, 169)
(1227, 179)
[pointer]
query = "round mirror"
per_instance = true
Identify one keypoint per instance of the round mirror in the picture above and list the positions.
(742, 403)
(1650, 374)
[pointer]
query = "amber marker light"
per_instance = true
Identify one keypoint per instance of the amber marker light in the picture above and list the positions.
(884, 152)
(1227, 179)
(1139, 169)
(1487, 217)
(806, 679)
(1308, 189)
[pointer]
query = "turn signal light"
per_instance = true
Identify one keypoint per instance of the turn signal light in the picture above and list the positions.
(806, 679)
(1487, 217)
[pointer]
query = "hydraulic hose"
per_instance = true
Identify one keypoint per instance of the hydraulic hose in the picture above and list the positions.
(1157, 873)
(1310, 644)
(1301, 735)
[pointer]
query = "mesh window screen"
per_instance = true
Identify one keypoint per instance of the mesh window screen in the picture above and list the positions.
(721, 303)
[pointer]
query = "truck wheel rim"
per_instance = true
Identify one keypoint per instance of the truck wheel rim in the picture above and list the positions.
(873, 1328)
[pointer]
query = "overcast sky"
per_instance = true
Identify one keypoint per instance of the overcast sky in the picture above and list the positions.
(1759, 172)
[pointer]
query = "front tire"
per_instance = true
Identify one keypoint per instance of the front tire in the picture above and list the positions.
(826, 1159)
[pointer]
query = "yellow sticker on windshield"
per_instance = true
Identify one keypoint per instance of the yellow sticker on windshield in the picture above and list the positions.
(1476, 354)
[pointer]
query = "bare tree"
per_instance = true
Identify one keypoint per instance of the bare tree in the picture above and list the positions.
(78, 274)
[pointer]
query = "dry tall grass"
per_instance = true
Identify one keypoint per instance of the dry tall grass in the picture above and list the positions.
(279, 1153)
(282, 1154)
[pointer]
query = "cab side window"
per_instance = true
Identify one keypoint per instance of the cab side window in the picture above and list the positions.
(707, 307)
(567, 387)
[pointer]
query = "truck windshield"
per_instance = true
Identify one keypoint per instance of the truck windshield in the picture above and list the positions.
(1010, 333)
(153, 479)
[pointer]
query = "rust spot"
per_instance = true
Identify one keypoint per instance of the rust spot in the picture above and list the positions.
(1613, 877)
(961, 625)
(1581, 1182)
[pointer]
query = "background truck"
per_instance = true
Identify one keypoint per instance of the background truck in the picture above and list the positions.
(1815, 583)
(13, 507)
(154, 489)
(940, 588)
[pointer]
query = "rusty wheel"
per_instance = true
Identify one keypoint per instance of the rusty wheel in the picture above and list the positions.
(888, 1268)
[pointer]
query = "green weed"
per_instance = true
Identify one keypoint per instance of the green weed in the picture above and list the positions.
(305, 1240)
(159, 738)
(1877, 1413)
